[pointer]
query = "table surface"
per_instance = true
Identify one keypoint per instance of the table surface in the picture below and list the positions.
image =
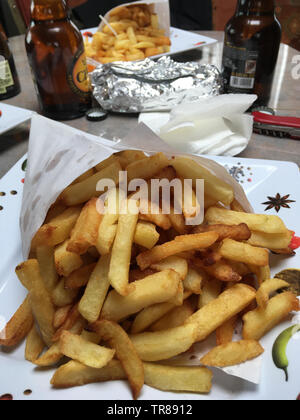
(285, 100)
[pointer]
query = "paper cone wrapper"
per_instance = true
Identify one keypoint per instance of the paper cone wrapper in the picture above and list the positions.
(160, 7)
(59, 154)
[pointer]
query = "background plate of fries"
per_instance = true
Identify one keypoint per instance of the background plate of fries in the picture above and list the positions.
(181, 41)
(173, 290)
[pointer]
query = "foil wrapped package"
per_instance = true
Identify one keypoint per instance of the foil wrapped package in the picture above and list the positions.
(147, 86)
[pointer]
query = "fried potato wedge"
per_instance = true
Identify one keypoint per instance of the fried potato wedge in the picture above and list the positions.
(255, 222)
(158, 288)
(85, 232)
(163, 345)
(179, 379)
(76, 374)
(259, 322)
(180, 244)
(239, 232)
(34, 345)
(267, 288)
(85, 352)
(91, 303)
(18, 327)
(125, 352)
(232, 354)
(241, 252)
(57, 230)
(228, 304)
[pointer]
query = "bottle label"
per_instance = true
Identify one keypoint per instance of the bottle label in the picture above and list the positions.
(6, 78)
(240, 65)
(78, 77)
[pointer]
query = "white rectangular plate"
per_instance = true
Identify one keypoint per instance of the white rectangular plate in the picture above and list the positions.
(12, 116)
(182, 41)
(261, 180)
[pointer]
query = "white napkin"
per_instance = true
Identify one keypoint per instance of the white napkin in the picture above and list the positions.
(210, 126)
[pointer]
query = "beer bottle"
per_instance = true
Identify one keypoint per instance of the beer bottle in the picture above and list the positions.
(252, 41)
(57, 58)
(9, 81)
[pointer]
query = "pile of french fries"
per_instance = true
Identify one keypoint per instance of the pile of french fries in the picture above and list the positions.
(122, 294)
(133, 34)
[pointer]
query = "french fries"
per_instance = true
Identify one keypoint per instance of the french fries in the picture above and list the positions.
(259, 322)
(144, 287)
(125, 351)
(231, 354)
(83, 351)
(159, 288)
(138, 36)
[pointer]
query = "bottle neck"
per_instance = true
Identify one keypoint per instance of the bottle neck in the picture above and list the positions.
(42, 10)
(255, 7)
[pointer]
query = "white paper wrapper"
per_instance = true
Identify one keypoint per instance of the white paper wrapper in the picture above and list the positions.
(160, 7)
(58, 154)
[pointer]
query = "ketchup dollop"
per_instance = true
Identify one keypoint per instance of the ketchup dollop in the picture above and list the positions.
(295, 242)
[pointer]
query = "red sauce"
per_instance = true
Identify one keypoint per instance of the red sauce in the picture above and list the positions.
(295, 243)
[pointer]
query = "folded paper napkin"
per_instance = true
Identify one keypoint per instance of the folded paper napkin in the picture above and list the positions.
(210, 126)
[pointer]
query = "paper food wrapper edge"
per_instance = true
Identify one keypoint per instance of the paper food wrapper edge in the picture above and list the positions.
(58, 154)
(160, 7)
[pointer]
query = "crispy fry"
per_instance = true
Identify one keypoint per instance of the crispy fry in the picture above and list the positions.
(138, 274)
(177, 264)
(260, 321)
(180, 244)
(161, 220)
(79, 278)
(34, 345)
(129, 156)
(146, 235)
(95, 293)
(175, 318)
(85, 190)
(45, 257)
(222, 270)
(18, 327)
(121, 253)
(85, 232)
(225, 332)
(65, 261)
(62, 296)
(73, 318)
(61, 316)
(256, 222)
(163, 345)
(90, 354)
(125, 351)
(271, 241)
(159, 288)
(267, 288)
(232, 354)
(150, 315)
(210, 291)
(194, 280)
(189, 169)
(239, 232)
(241, 252)
(227, 305)
(76, 374)
(147, 168)
(57, 230)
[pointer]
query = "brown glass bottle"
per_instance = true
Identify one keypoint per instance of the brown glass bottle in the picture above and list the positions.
(9, 81)
(56, 55)
(252, 41)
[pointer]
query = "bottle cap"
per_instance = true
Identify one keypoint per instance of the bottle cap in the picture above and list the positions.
(96, 114)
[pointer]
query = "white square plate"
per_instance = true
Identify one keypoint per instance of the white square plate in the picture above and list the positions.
(261, 180)
(12, 116)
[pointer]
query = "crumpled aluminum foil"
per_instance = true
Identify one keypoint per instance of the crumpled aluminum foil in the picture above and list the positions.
(148, 86)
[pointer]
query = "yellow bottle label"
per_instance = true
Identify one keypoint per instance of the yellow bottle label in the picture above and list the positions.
(6, 78)
(78, 76)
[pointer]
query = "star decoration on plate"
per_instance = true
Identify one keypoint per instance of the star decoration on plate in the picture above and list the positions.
(278, 202)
